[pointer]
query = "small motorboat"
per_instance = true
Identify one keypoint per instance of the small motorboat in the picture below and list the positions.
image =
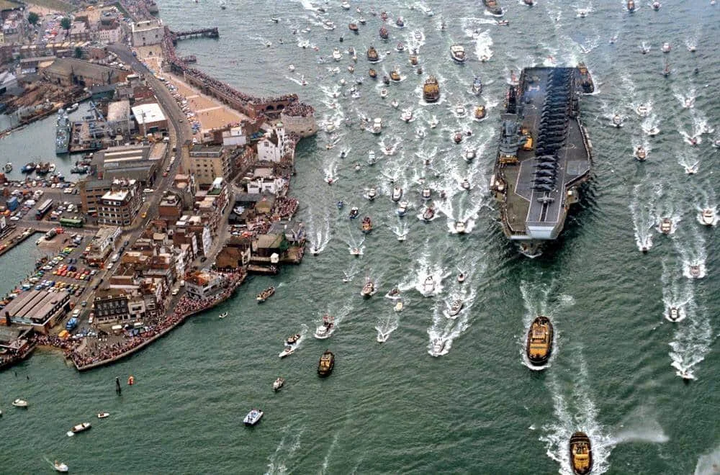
(368, 289)
(386, 80)
(407, 115)
(642, 110)
(640, 153)
(465, 185)
(293, 340)
(400, 23)
(460, 227)
(457, 53)
(666, 47)
(366, 225)
(397, 194)
(707, 216)
(355, 251)
(223, 315)
(428, 214)
(60, 467)
(428, 285)
(253, 417)
(395, 103)
(398, 306)
(278, 383)
(353, 27)
(377, 123)
(695, 271)
(20, 403)
(666, 226)
(674, 314)
(580, 453)
(539, 341)
(455, 308)
(477, 86)
(354, 212)
(395, 76)
(362, 20)
(461, 277)
(372, 73)
(413, 60)
(326, 328)
(426, 193)
(469, 155)
(402, 208)
(631, 6)
(656, 6)
(371, 158)
(371, 193)
(457, 137)
(617, 121)
(326, 363)
(480, 113)
(400, 47)
(433, 122)
(275, 19)
(287, 351)
(79, 428)
(460, 111)
(265, 294)
(103, 415)
(384, 34)
(372, 55)
(438, 346)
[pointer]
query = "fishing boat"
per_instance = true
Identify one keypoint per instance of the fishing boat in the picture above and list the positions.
(366, 225)
(457, 53)
(384, 34)
(20, 403)
(666, 226)
(402, 208)
(278, 383)
(372, 55)
(455, 308)
(76, 429)
(428, 285)
(354, 212)
(493, 8)
(477, 86)
(253, 417)
(103, 415)
(431, 90)
(428, 214)
(326, 328)
(395, 76)
(397, 194)
(480, 112)
(707, 216)
(265, 294)
(326, 363)
(368, 289)
(407, 115)
(580, 453)
(539, 341)
(377, 126)
(60, 467)
(372, 73)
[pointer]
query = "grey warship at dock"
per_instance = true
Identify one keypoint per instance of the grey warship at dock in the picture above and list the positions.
(543, 157)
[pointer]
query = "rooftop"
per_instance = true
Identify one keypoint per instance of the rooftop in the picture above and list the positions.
(148, 113)
(118, 110)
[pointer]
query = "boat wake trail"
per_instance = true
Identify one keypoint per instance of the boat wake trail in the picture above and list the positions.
(677, 292)
(326, 460)
(443, 331)
(582, 416)
(708, 464)
(692, 341)
(386, 325)
(429, 275)
(642, 208)
(319, 234)
(536, 298)
(285, 451)
(692, 254)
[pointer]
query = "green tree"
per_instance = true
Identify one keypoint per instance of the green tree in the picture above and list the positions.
(33, 18)
(78, 52)
(66, 23)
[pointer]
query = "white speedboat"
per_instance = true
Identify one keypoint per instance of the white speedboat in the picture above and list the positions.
(103, 415)
(437, 347)
(60, 467)
(382, 337)
(355, 251)
(426, 193)
(395, 103)
(383, 93)
(455, 308)
(433, 122)
(695, 271)
(371, 158)
(336, 54)
(666, 47)
(707, 216)
(469, 154)
(429, 285)
(457, 53)
(397, 194)
(465, 184)
(326, 328)
(345, 5)
(407, 115)
(377, 126)
(617, 121)
(460, 227)
(371, 193)
(253, 417)
(640, 154)
(291, 68)
(289, 350)
(76, 429)
(666, 226)
(642, 110)
(674, 314)
(402, 208)
(223, 315)
(278, 383)
(398, 306)
(460, 111)
(20, 403)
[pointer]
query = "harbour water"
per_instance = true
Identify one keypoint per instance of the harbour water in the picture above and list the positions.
(392, 407)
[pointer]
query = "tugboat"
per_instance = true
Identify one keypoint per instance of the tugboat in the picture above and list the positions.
(477, 86)
(373, 73)
(326, 328)
(581, 452)
(707, 217)
(585, 79)
(366, 225)
(457, 53)
(631, 6)
(372, 55)
(395, 76)
(455, 308)
(265, 294)
(666, 226)
(368, 289)
(326, 364)
(640, 153)
(539, 341)
(431, 90)
(253, 417)
(493, 8)
(384, 33)
(480, 112)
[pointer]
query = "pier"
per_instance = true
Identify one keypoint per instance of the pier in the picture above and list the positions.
(176, 36)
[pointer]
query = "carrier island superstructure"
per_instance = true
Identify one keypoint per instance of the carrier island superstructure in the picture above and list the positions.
(544, 154)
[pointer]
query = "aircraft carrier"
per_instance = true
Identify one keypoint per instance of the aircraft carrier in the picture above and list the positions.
(544, 154)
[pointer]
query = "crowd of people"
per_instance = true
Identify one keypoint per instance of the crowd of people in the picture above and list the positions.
(286, 207)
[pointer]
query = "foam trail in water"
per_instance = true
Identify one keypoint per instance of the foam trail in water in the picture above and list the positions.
(319, 234)
(285, 451)
(386, 324)
(708, 464)
(326, 460)
(692, 254)
(677, 292)
(692, 341)
(643, 215)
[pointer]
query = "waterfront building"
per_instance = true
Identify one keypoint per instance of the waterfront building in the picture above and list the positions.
(234, 137)
(102, 244)
(111, 305)
(39, 309)
(71, 71)
(264, 180)
(120, 205)
(234, 254)
(147, 33)
(150, 119)
(203, 284)
(208, 162)
(275, 146)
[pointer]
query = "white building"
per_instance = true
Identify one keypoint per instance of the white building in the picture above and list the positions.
(264, 181)
(118, 117)
(234, 137)
(109, 34)
(275, 145)
(148, 32)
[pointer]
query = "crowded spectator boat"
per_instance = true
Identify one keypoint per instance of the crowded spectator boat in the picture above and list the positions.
(265, 294)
